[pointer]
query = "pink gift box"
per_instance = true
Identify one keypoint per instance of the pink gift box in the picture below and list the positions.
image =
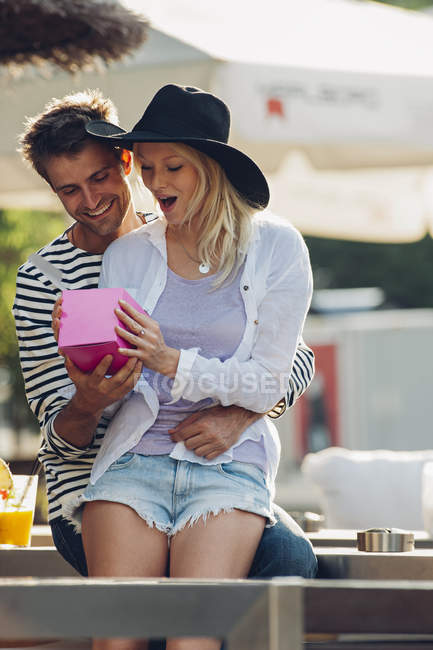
(87, 327)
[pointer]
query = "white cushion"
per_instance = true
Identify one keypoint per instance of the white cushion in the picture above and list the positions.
(366, 489)
(427, 497)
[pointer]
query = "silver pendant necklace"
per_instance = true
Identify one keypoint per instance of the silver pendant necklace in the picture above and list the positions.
(202, 266)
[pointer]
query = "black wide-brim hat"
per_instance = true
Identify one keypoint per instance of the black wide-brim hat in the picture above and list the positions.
(198, 119)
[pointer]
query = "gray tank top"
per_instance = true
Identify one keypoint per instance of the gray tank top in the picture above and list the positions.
(192, 315)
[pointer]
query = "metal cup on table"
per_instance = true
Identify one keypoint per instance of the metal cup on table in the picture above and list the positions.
(385, 540)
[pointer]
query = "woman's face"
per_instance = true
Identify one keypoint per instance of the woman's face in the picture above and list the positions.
(170, 177)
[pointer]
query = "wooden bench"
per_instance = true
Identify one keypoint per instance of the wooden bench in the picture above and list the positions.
(334, 563)
(39, 561)
(337, 538)
(350, 564)
(41, 536)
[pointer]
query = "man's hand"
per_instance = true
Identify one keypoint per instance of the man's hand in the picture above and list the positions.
(212, 431)
(77, 422)
(95, 391)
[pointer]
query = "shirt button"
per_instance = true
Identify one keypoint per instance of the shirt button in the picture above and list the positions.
(256, 322)
(246, 287)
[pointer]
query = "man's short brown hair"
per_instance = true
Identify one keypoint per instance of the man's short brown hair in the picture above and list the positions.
(60, 127)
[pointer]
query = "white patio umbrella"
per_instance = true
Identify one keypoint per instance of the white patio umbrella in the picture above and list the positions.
(348, 84)
(392, 204)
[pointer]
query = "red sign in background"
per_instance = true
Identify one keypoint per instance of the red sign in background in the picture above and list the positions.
(316, 413)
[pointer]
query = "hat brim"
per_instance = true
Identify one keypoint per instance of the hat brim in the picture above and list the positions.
(240, 169)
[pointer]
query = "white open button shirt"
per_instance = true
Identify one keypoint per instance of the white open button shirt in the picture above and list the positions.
(276, 286)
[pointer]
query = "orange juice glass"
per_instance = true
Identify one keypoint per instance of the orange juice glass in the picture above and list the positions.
(17, 512)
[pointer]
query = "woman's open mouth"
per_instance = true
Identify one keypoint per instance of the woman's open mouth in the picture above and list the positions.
(167, 202)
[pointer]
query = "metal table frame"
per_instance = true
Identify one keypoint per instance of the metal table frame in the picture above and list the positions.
(250, 615)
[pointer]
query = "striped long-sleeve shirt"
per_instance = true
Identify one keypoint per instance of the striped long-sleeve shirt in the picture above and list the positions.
(48, 387)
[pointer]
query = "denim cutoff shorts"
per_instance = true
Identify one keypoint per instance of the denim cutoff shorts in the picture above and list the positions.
(169, 494)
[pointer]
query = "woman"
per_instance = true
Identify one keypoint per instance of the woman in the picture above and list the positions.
(227, 292)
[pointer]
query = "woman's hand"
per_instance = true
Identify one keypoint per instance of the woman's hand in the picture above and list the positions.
(55, 318)
(146, 335)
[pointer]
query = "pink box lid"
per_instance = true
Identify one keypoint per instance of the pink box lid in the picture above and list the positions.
(88, 316)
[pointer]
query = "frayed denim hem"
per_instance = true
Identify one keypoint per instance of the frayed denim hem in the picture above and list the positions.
(216, 510)
(73, 514)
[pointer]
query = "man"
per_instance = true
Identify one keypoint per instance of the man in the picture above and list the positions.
(73, 408)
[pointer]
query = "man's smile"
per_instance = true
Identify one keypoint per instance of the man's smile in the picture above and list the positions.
(100, 211)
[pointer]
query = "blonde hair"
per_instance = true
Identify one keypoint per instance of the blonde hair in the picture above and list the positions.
(226, 224)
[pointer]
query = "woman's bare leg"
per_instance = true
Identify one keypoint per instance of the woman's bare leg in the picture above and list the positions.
(223, 547)
(118, 543)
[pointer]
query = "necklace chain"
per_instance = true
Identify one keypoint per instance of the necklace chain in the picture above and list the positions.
(190, 256)
(202, 266)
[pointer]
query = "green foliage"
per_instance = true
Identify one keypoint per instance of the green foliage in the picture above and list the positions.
(22, 232)
(403, 271)
(408, 4)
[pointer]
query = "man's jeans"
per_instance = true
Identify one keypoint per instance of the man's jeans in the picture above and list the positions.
(284, 550)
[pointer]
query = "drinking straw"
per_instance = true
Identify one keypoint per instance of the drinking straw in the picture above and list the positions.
(26, 489)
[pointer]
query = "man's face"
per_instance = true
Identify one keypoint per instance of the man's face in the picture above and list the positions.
(92, 188)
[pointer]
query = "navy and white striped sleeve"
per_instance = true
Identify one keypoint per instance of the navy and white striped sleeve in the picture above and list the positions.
(301, 377)
(48, 387)
(302, 373)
